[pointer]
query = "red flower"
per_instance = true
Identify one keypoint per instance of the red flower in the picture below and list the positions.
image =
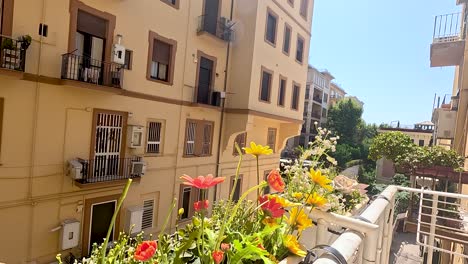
(225, 246)
(145, 250)
(271, 207)
(201, 205)
(275, 181)
(202, 182)
(218, 256)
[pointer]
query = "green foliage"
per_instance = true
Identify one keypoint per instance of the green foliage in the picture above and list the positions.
(353, 163)
(400, 180)
(390, 145)
(344, 119)
(345, 153)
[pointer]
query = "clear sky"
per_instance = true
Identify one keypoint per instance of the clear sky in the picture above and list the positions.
(379, 52)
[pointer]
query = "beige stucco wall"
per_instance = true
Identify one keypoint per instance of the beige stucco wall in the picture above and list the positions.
(46, 123)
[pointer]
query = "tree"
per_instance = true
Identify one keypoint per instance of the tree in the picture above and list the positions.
(344, 119)
(392, 145)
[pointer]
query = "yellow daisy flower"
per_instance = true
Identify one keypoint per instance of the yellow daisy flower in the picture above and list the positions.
(316, 200)
(292, 244)
(281, 200)
(257, 150)
(269, 221)
(298, 195)
(322, 180)
(299, 219)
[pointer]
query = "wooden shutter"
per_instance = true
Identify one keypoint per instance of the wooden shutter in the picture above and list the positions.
(161, 52)
(148, 213)
(271, 140)
(91, 24)
(207, 139)
(153, 140)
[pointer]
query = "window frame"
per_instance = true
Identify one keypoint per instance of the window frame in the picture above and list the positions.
(304, 12)
(190, 209)
(198, 138)
(214, 59)
(161, 137)
(130, 60)
(273, 145)
(299, 37)
(273, 14)
(265, 70)
(240, 181)
(295, 84)
(285, 79)
(153, 36)
(234, 150)
(169, 2)
(287, 26)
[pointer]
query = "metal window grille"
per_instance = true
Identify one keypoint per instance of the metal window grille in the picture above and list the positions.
(153, 144)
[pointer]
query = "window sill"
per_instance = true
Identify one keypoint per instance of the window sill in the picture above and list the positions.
(263, 101)
(194, 156)
(286, 53)
(159, 81)
(175, 6)
(153, 155)
(270, 43)
(300, 62)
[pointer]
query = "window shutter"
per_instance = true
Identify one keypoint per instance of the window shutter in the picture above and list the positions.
(148, 213)
(207, 138)
(91, 24)
(271, 138)
(153, 144)
(190, 138)
(241, 140)
(161, 52)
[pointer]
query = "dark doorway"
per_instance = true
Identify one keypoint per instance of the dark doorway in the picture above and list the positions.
(205, 79)
(101, 216)
(211, 16)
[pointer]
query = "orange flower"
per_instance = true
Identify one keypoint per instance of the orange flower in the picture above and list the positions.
(271, 207)
(275, 181)
(202, 182)
(201, 205)
(218, 256)
(145, 250)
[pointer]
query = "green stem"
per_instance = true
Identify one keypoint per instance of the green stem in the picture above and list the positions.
(166, 222)
(114, 217)
(258, 178)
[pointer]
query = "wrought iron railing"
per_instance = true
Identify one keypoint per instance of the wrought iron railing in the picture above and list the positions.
(108, 168)
(315, 115)
(449, 27)
(317, 99)
(86, 69)
(217, 26)
(12, 53)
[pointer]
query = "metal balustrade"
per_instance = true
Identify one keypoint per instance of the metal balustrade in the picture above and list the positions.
(108, 168)
(86, 69)
(449, 27)
(367, 238)
(12, 53)
(220, 27)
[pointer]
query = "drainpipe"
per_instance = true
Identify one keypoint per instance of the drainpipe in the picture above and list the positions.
(223, 104)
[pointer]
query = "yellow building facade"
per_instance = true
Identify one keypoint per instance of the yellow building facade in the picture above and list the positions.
(149, 90)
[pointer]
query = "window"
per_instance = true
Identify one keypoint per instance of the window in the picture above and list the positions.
(266, 190)
(148, 213)
(241, 140)
(161, 59)
(153, 138)
(271, 138)
(173, 3)
(271, 26)
(307, 91)
(324, 112)
(186, 201)
(421, 142)
(300, 49)
(205, 78)
(198, 138)
(325, 98)
(282, 92)
(306, 108)
(237, 189)
(295, 97)
(287, 39)
(265, 86)
(304, 7)
(128, 59)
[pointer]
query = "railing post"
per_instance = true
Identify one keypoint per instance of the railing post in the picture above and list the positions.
(322, 231)
(432, 229)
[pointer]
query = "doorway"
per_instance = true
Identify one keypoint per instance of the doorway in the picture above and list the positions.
(205, 80)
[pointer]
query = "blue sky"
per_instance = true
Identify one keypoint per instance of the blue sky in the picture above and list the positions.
(379, 52)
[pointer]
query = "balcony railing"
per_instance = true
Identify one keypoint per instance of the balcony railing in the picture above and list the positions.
(85, 69)
(106, 169)
(12, 53)
(315, 115)
(219, 27)
(368, 237)
(449, 27)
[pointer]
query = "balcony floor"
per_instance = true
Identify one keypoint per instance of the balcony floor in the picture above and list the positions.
(404, 249)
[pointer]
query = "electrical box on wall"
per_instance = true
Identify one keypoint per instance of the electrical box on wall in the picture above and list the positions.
(133, 219)
(119, 54)
(135, 136)
(70, 234)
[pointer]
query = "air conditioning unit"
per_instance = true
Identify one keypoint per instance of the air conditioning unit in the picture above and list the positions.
(138, 168)
(135, 136)
(75, 169)
(70, 234)
(133, 219)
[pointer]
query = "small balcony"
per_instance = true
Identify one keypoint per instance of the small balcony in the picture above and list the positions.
(105, 169)
(317, 98)
(219, 27)
(448, 43)
(89, 70)
(13, 53)
(316, 115)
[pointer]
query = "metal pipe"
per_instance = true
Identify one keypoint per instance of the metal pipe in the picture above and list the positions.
(430, 251)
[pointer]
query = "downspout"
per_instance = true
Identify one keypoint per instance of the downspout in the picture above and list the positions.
(34, 135)
(223, 105)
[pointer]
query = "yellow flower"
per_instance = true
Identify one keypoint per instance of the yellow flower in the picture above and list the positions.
(316, 200)
(269, 221)
(281, 200)
(322, 180)
(298, 195)
(257, 150)
(292, 244)
(299, 219)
